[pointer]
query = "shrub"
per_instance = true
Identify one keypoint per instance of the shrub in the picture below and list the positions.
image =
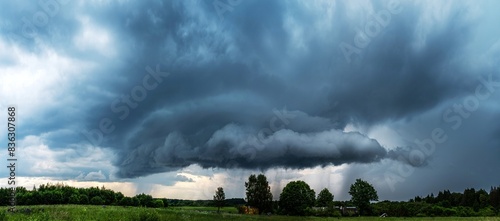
(241, 209)
(488, 211)
(158, 204)
(308, 212)
(437, 211)
(329, 210)
(464, 211)
(336, 213)
(247, 210)
(450, 212)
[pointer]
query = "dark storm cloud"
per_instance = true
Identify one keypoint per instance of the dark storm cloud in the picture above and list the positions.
(227, 148)
(227, 77)
(211, 106)
(394, 80)
(207, 111)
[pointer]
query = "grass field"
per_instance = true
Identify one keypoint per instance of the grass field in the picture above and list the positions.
(116, 213)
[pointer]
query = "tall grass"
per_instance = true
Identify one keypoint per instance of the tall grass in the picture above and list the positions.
(118, 213)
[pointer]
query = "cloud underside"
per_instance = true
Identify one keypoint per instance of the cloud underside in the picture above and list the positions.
(234, 147)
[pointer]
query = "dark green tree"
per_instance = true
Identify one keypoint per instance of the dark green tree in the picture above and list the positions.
(495, 197)
(361, 194)
(24, 198)
(68, 191)
(430, 199)
(108, 196)
(219, 198)
(5, 196)
(456, 199)
(145, 200)
(97, 200)
(118, 196)
(258, 193)
(325, 198)
(469, 197)
(136, 201)
(53, 196)
(84, 199)
(125, 201)
(482, 198)
(74, 199)
(21, 198)
(93, 192)
(21, 189)
(165, 202)
(296, 197)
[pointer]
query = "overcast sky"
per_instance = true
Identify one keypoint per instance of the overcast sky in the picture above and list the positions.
(176, 98)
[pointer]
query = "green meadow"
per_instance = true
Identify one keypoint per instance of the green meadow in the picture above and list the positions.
(117, 213)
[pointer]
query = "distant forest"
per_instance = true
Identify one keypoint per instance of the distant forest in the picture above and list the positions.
(446, 203)
(51, 194)
(470, 202)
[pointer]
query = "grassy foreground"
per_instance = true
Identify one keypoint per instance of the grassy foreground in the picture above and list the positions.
(116, 213)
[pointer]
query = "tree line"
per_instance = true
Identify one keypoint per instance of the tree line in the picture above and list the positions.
(297, 198)
(470, 202)
(47, 194)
